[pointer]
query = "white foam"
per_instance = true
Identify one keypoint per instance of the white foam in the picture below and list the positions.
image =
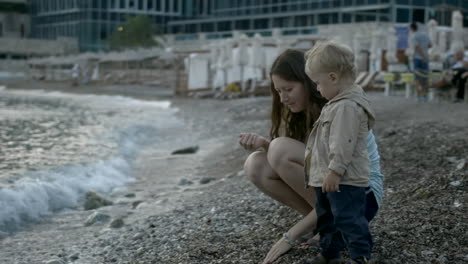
(33, 197)
(99, 99)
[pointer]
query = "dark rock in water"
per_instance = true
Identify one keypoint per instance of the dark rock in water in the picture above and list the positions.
(94, 201)
(136, 203)
(184, 181)
(130, 195)
(117, 223)
(206, 180)
(188, 150)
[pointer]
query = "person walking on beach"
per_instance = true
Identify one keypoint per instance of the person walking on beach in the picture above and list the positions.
(336, 155)
(422, 43)
(276, 165)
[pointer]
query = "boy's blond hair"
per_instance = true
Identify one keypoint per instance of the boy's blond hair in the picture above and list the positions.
(329, 56)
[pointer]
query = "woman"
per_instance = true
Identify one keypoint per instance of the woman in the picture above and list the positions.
(278, 169)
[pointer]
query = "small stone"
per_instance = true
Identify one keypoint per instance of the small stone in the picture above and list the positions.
(461, 164)
(130, 195)
(138, 236)
(231, 175)
(136, 203)
(188, 150)
(74, 256)
(117, 223)
(94, 201)
(96, 217)
(140, 250)
(426, 253)
(184, 181)
(54, 261)
(206, 180)
(455, 183)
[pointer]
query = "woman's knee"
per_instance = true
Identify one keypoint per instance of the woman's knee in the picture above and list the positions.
(278, 152)
(254, 166)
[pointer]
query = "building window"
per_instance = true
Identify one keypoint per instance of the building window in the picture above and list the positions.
(158, 5)
(452, 2)
(419, 2)
(168, 4)
(224, 26)
(465, 19)
(176, 6)
(279, 22)
(300, 21)
(419, 15)
(465, 5)
(22, 31)
(207, 27)
(190, 28)
(122, 4)
(242, 24)
(402, 15)
(261, 23)
(402, 2)
(323, 19)
(346, 18)
(1, 29)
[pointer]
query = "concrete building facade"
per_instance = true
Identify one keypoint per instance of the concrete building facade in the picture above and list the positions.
(15, 42)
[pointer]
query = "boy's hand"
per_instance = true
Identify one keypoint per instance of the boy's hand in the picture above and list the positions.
(331, 182)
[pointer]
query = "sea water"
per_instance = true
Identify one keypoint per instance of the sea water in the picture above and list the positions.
(54, 147)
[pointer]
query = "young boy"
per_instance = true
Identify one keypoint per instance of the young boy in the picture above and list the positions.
(337, 164)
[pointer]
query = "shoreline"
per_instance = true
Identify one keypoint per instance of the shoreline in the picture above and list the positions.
(229, 221)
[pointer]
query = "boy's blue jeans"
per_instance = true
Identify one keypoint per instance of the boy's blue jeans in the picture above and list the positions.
(342, 222)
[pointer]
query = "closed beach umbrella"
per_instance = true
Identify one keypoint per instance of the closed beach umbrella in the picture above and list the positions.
(391, 46)
(434, 52)
(242, 57)
(257, 58)
(457, 32)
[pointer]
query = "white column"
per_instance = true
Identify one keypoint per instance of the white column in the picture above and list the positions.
(408, 90)
(387, 88)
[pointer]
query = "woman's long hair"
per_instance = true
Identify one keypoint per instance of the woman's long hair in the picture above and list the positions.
(290, 66)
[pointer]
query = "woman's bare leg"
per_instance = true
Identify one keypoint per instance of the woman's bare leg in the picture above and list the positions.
(283, 181)
(286, 156)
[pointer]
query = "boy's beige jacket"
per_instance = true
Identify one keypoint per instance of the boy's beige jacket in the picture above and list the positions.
(338, 140)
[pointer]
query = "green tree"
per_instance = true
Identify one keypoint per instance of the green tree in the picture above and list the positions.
(137, 31)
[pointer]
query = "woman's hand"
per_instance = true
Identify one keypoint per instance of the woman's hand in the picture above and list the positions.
(277, 250)
(252, 142)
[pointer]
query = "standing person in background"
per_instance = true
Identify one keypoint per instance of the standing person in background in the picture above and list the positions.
(460, 76)
(422, 43)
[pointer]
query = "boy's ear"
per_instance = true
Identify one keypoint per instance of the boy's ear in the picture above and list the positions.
(333, 76)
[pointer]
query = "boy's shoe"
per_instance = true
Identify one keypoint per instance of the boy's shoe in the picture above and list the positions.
(360, 260)
(322, 260)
